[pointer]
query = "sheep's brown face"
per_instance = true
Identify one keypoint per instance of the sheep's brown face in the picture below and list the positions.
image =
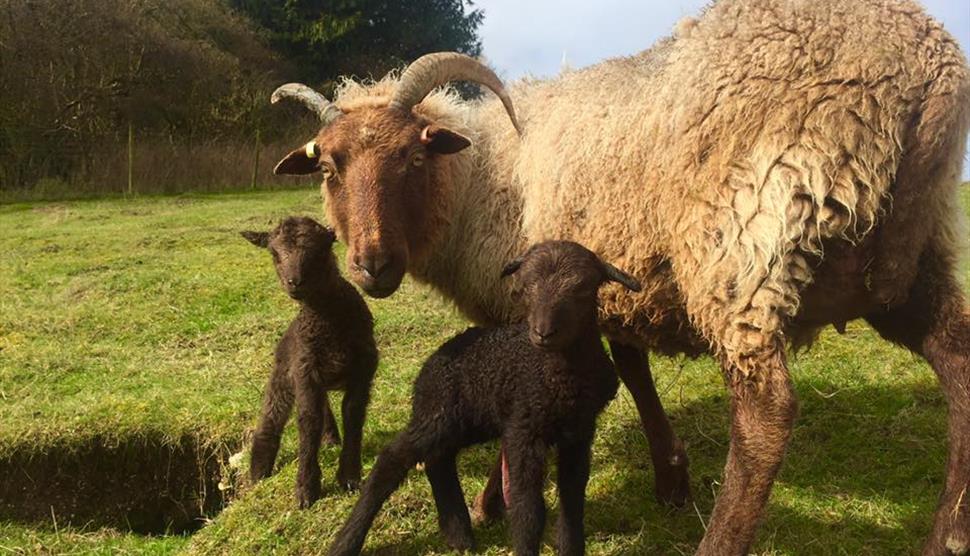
(302, 255)
(382, 181)
(559, 282)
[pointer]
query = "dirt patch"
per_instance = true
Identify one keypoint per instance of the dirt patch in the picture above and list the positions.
(147, 486)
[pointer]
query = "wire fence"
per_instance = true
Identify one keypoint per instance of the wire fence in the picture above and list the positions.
(140, 163)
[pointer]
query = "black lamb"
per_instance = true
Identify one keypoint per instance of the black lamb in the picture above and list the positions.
(328, 346)
(535, 385)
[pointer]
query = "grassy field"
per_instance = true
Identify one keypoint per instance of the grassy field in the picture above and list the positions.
(136, 335)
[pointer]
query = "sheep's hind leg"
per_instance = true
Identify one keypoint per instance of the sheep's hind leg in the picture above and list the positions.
(935, 323)
(763, 410)
(671, 479)
(277, 404)
(331, 434)
(453, 519)
(354, 411)
(489, 505)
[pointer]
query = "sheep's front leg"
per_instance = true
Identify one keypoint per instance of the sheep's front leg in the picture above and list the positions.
(453, 519)
(389, 471)
(309, 401)
(354, 411)
(277, 404)
(527, 468)
(671, 480)
(573, 474)
(763, 410)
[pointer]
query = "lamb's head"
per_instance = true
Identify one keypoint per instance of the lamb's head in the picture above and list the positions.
(559, 281)
(302, 255)
(385, 171)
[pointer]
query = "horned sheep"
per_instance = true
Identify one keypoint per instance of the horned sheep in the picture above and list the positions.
(772, 168)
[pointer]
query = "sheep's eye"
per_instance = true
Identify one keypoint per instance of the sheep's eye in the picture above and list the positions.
(327, 171)
(417, 159)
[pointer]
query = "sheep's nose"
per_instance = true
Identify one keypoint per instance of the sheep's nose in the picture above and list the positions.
(294, 281)
(544, 332)
(373, 266)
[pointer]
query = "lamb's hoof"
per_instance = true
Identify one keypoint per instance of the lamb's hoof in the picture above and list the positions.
(672, 480)
(461, 543)
(483, 513)
(348, 481)
(307, 494)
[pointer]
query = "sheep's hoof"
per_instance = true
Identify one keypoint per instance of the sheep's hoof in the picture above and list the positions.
(672, 480)
(348, 481)
(484, 512)
(307, 494)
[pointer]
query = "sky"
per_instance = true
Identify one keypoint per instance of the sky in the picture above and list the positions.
(533, 37)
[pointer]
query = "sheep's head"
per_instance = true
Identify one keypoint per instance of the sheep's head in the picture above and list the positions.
(384, 169)
(559, 282)
(302, 255)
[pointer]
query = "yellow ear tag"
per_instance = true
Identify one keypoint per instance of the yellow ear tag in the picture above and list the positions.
(311, 149)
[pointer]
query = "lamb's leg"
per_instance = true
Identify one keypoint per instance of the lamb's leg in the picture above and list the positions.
(309, 403)
(354, 411)
(453, 519)
(489, 505)
(572, 476)
(389, 471)
(671, 480)
(277, 404)
(527, 514)
(935, 322)
(331, 434)
(763, 410)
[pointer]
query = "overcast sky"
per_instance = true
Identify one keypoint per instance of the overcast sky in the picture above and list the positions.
(531, 37)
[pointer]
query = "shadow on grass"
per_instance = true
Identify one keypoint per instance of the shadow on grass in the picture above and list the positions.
(862, 476)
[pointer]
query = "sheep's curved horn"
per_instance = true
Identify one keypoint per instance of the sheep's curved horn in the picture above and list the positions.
(323, 108)
(434, 70)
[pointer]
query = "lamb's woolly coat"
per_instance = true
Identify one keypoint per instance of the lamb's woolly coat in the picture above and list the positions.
(761, 172)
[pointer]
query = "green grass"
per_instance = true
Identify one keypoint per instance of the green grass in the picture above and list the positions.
(151, 318)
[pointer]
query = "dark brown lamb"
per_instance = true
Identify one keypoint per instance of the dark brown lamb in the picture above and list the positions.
(535, 385)
(328, 346)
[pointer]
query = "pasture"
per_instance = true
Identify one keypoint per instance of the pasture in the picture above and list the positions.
(136, 335)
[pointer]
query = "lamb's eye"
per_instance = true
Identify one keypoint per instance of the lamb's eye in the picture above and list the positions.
(327, 171)
(417, 159)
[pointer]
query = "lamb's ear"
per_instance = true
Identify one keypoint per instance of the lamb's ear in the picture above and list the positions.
(614, 274)
(442, 140)
(512, 267)
(302, 161)
(259, 239)
(331, 233)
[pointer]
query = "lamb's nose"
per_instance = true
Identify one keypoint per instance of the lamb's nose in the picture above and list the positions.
(293, 281)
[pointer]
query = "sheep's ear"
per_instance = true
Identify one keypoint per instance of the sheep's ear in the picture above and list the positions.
(302, 161)
(259, 239)
(614, 274)
(443, 141)
(512, 267)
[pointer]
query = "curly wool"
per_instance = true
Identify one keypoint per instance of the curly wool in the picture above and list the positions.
(732, 168)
